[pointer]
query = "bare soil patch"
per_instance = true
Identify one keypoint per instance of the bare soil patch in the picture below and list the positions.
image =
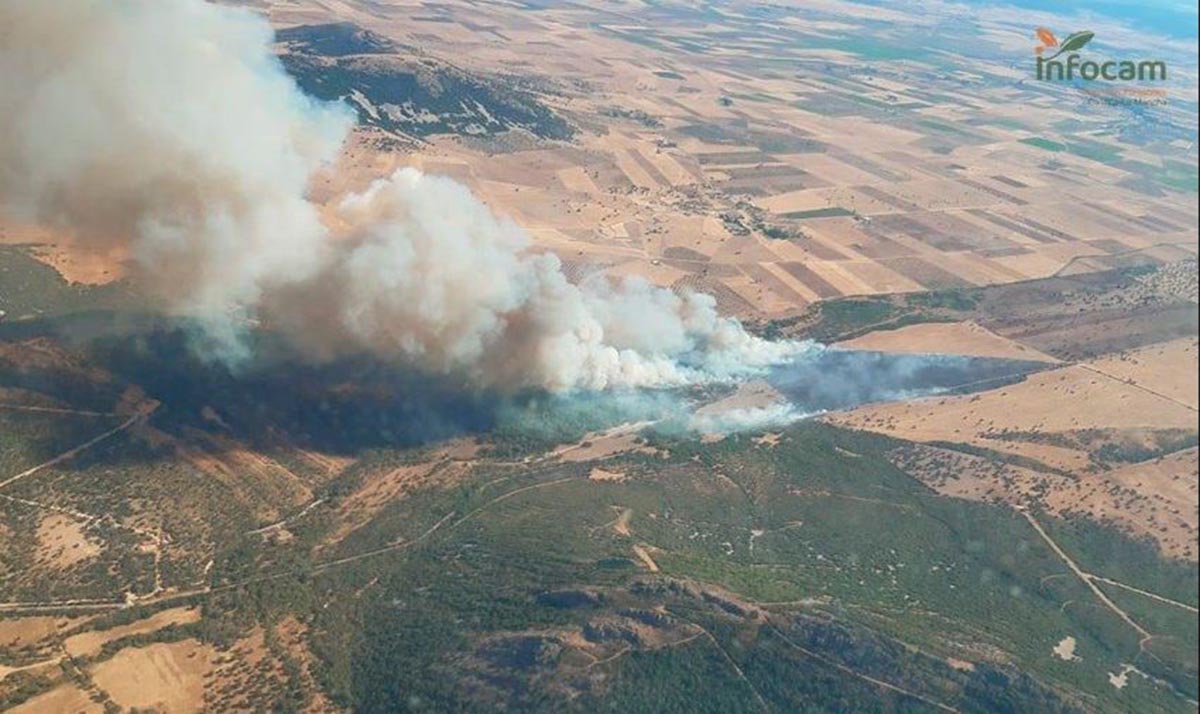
(385, 485)
(74, 262)
(167, 677)
(1156, 499)
(66, 698)
(601, 445)
(1061, 400)
(62, 541)
(621, 525)
(24, 631)
(961, 338)
(643, 555)
(89, 643)
(1168, 368)
(598, 474)
(1065, 649)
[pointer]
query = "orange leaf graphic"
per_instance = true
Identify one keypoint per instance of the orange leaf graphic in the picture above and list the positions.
(1047, 37)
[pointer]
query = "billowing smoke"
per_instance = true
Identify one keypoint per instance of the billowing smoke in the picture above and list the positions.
(168, 127)
(745, 418)
(431, 276)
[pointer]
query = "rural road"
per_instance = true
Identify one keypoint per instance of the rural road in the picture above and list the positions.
(142, 413)
(1085, 576)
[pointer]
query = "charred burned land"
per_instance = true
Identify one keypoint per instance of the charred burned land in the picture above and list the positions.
(633, 357)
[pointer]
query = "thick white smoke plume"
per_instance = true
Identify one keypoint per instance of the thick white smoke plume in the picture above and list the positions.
(168, 126)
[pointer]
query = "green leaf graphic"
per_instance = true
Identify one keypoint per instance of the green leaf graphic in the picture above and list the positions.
(1075, 42)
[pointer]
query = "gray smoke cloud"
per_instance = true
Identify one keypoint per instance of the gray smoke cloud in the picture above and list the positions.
(168, 127)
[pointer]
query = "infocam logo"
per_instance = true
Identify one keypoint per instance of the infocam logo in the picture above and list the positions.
(1056, 67)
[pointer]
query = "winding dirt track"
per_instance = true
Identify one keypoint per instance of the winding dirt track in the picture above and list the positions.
(1086, 577)
(56, 410)
(140, 415)
(158, 598)
(120, 601)
(866, 678)
(1145, 593)
(1135, 385)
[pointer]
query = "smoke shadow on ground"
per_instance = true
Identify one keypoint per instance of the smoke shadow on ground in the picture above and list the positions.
(274, 398)
(835, 379)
